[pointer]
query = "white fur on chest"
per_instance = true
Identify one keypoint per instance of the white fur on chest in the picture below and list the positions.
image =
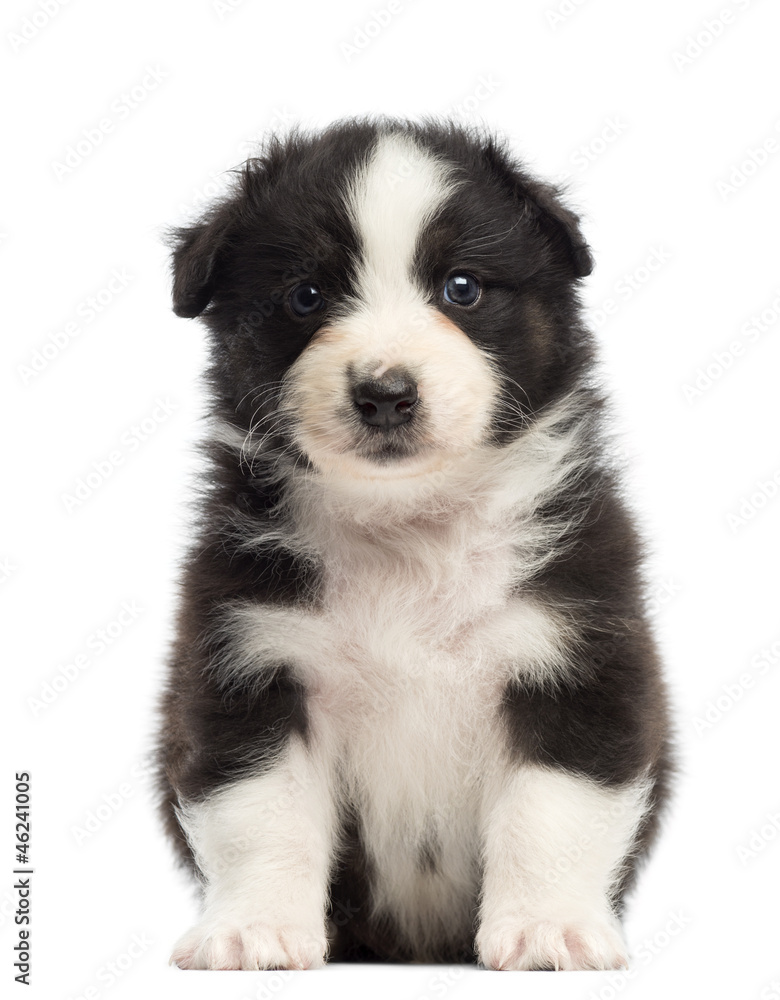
(406, 706)
(420, 622)
(404, 663)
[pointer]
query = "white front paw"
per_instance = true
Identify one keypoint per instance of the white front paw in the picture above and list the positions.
(250, 945)
(526, 942)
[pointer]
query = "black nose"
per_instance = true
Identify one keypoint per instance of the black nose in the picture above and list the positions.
(387, 401)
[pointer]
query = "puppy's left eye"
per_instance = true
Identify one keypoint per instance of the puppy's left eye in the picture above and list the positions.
(306, 299)
(461, 289)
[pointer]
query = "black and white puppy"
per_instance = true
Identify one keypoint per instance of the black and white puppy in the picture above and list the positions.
(414, 709)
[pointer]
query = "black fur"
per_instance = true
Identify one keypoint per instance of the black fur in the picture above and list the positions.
(283, 223)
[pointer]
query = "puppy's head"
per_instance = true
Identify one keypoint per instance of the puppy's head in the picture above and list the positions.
(386, 297)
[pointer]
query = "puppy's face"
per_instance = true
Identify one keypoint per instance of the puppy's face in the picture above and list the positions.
(385, 299)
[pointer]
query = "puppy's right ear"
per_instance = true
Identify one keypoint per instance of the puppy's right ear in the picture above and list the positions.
(196, 253)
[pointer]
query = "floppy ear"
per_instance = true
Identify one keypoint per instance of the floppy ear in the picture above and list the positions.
(560, 224)
(541, 203)
(196, 252)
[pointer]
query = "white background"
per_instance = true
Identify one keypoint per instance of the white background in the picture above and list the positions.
(706, 908)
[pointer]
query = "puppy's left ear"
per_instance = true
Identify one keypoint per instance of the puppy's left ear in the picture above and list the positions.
(541, 203)
(196, 254)
(560, 224)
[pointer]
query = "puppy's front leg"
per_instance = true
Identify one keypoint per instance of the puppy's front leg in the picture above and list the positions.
(264, 846)
(555, 844)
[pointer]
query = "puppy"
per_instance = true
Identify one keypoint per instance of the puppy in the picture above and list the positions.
(414, 709)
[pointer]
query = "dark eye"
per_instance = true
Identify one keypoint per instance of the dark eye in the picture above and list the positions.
(306, 299)
(461, 289)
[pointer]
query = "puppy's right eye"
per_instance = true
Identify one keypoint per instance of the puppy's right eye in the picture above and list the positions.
(306, 299)
(461, 289)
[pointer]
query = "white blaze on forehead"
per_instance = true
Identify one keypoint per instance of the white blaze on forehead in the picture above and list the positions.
(392, 320)
(391, 200)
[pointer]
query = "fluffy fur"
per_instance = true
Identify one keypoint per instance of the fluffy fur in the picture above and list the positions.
(414, 709)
